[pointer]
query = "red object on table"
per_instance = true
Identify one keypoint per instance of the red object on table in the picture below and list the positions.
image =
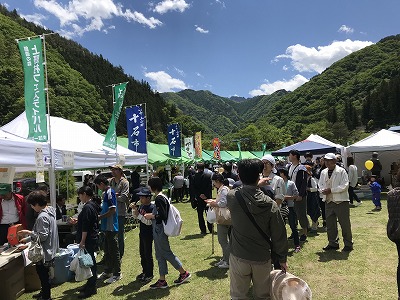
(12, 235)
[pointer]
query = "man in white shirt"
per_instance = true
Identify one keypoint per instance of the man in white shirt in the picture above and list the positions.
(333, 185)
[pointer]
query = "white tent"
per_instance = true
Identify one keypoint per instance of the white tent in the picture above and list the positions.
(79, 138)
(18, 152)
(386, 143)
(321, 140)
(66, 136)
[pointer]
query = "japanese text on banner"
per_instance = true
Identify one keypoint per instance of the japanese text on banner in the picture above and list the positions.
(174, 140)
(111, 137)
(136, 126)
(34, 78)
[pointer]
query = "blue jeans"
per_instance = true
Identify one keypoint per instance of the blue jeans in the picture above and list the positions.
(163, 250)
(293, 226)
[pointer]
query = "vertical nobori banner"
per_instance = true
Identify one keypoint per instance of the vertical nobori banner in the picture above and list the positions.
(217, 148)
(189, 147)
(110, 140)
(136, 125)
(240, 150)
(197, 144)
(35, 100)
(174, 140)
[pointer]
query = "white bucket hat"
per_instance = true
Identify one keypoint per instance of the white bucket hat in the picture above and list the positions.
(271, 159)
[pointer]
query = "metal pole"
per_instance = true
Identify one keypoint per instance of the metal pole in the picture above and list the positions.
(147, 151)
(52, 174)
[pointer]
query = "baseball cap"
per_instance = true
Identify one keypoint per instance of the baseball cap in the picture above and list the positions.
(144, 192)
(116, 166)
(5, 188)
(271, 159)
(330, 156)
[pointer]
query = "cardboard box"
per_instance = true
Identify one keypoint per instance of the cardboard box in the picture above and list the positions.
(32, 281)
(12, 279)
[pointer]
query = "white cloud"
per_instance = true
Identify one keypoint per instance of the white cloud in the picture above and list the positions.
(199, 75)
(35, 18)
(141, 19)
(180, 72)
(66, 15)
(80, 16)
(6, 5)
(167, 5)
(222, 3)
(201, 30)
(269, 88)
(164, 82)
(285, 68)
(306, 59)
(346, 29)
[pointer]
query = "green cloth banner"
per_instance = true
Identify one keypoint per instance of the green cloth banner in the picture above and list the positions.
(110, 140)
(35, 101)
(240, 151)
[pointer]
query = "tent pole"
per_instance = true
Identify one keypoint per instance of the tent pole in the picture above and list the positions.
(147, 149)
(52, 173)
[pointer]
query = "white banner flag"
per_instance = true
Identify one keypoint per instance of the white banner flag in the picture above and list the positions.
(189, 147)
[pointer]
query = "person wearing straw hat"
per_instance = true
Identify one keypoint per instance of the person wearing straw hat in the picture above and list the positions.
(120, 185)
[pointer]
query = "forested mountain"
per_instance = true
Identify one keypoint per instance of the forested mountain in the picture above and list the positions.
(78, 82)
(356, 95)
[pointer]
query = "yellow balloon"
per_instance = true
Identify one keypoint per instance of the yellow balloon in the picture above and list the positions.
(369, 164)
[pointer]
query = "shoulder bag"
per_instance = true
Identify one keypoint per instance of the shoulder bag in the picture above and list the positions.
(274, 257)
(35, 251)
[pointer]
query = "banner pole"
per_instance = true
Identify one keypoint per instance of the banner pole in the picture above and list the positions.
(52, 171)
(147, 147)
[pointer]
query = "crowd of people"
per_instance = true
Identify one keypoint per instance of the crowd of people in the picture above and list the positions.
(261, 196)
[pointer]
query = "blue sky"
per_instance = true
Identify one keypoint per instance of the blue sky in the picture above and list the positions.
(229, 47)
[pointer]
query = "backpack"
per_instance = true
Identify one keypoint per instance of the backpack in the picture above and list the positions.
(173, 224)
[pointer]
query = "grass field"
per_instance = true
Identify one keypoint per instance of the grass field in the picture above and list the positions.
(368, 272)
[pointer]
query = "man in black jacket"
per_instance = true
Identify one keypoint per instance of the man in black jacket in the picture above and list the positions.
(202, 187)
(298, 174)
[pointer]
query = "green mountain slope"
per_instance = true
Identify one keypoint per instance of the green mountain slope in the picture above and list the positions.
(78, 82)
(360, 92)
(339, 93)
(215, 113)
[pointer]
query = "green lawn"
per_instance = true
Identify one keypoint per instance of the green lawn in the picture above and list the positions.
(369, 272)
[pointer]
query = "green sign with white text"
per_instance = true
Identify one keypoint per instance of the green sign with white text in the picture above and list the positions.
(110, 140)
(35, 101)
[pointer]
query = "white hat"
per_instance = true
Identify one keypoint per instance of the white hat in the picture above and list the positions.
(271, 159)
(330, 156)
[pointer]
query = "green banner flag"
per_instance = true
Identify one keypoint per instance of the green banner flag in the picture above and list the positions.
(111, 136)
(240, 151)
(35, 101)
(264, 148)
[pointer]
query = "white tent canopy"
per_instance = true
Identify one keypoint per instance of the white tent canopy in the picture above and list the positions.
(321, 140)
(386, 143)
(79, 138)
(18, 152)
